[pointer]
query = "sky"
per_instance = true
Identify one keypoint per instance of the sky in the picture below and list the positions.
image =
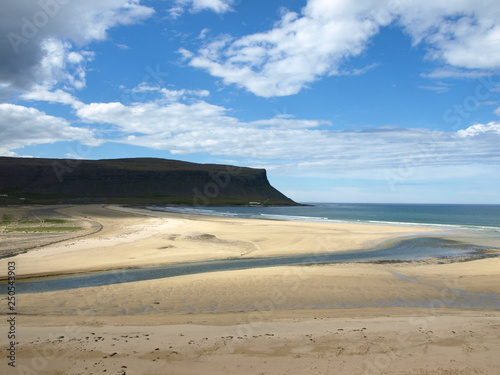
(377, 101)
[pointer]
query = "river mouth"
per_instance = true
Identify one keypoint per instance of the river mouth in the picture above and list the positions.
(412, 249)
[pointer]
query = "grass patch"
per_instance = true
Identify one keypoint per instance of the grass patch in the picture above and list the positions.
(7, 219)
(42, 221)
(55, 221)
(44, 229)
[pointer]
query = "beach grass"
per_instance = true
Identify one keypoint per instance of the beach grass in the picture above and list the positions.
(43, 229)
(42, 221)
(10, 223)
(7, 219)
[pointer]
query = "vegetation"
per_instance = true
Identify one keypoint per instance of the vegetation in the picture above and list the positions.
(6, 219)
(43, 229)
(35, 224)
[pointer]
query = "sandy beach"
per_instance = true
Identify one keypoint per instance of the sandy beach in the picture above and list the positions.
(137, 237)
(356, 318)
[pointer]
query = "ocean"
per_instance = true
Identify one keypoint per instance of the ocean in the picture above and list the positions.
(470, 216)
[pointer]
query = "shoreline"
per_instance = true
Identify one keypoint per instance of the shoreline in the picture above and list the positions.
(332, 318)
(217, 214)
(402, 233)
(137, 237)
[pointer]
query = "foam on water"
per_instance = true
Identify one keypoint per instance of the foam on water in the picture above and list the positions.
(482, 218)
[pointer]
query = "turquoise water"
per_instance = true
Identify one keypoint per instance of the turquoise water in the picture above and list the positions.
(479, 217)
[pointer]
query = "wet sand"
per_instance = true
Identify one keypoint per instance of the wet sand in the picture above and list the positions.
(340, 318)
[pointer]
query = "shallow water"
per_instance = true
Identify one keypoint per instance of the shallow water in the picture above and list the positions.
(477, 217)
(409, 249)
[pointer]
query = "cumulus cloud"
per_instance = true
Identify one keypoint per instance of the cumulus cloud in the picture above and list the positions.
(297, 51)
(44, 39)
(463, 34)
(156, 119)
(43, 93)
(302, 48)
(492, 128)
(217, 6)
(22, 126)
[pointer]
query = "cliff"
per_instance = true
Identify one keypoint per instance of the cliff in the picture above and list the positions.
(138, 180)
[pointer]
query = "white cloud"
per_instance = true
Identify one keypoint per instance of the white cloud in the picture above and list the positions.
(44, 39)
(439, 87)
(60, 66)
(217, 6)
(298, 50)
(176, 11)
(22, 126)
(171, 95)
(451, 72)
(203, 33)
(185, 53)
(158, 120)
(176, 95)
(492, 128)
(43, 93)
(463, 34)
(286, 122)
(302, 48)
(304, 150)
(359, 71)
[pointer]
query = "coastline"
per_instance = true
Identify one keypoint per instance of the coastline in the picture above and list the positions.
(344, 214)
(346, 318)
(137, 237)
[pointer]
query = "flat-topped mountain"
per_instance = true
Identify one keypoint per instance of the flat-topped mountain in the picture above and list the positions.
(135, 180)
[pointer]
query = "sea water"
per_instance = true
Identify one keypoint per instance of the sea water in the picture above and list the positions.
(472, 216)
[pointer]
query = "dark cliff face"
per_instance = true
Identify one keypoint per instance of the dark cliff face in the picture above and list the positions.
(135, 180)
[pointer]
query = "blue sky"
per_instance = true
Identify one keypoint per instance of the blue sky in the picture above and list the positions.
(341, 101)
